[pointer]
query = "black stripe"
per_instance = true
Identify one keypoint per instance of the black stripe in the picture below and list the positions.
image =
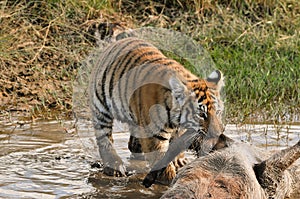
(135, 74)
(101, 118)
(107, 62)
(105, 126)
(179, 117)
(100, 99)
(106, 117)
(136, 61)
(171, 62)
(155, 66)
(101, 121)
(125, 66)
(160, 137)
(193, 80)
(168, 109)
(150, 68)
(202, 98)
(102, 126)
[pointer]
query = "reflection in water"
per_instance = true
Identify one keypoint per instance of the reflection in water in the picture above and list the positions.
(48, 159)
(40, 160)
(266, 136)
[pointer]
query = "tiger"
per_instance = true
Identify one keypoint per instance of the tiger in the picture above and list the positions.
(134, 82)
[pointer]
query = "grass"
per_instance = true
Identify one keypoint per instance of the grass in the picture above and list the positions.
(254, 42)
(260, 81)
(41, 46)
(261, 61)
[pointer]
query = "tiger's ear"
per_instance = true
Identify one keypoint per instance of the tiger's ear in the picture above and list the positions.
(217, 79)
(178, 90)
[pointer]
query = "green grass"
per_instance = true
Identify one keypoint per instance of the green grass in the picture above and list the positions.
(261, 61)
(260, 80)
(256, 43)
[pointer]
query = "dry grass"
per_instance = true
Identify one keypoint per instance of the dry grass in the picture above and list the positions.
(41, 46)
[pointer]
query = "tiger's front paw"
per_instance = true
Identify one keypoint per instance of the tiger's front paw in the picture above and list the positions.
(167, 175)
(163, 176)
(180, 161)
(150, 178)
(116, 171)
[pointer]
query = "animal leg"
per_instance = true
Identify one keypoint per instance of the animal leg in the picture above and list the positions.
(270, 172)
(113, 165)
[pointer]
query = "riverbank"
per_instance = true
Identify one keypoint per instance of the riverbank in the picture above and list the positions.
(255, 43)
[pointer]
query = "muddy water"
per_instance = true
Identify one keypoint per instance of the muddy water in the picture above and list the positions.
(49, 159)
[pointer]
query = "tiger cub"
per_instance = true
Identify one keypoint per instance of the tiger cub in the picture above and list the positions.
(158, 98)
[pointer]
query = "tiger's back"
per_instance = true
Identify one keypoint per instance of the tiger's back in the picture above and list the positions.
(130, 68)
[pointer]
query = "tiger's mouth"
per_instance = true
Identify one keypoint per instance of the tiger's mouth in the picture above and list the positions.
(197, 143)
(203, 144)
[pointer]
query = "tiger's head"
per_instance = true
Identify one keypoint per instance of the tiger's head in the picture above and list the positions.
(201, 108)
(197, 111)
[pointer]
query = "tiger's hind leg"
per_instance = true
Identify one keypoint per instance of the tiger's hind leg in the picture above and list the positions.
(141, 146)
(113, 165)
(135, 147)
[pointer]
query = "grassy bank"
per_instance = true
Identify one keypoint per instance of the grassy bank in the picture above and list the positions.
(42, 44)
(256, 43)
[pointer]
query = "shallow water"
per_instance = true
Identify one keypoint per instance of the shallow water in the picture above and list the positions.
(49, 159)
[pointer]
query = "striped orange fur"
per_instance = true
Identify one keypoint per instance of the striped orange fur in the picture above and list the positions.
(157, 97)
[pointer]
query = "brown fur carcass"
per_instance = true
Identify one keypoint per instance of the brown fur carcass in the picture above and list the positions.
(238, 171)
